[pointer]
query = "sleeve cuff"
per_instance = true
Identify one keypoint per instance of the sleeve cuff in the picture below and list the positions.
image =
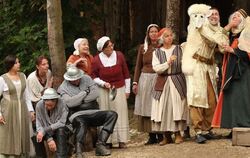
(47, 129)
(99, 82)
(135, 83)
(127, 85)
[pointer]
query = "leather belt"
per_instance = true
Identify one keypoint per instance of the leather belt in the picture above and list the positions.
(203, 59)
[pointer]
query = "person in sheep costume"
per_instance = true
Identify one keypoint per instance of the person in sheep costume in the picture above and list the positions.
(204, 34)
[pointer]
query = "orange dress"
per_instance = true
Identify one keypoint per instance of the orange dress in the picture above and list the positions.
(86, 68)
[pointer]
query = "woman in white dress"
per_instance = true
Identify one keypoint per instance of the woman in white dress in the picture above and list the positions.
(169, 106)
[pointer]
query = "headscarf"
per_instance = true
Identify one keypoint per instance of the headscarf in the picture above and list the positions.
(244, 39)
(243, 20)
(146, 40)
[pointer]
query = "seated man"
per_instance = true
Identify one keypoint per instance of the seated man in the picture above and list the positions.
(51, 116)
(79, 92)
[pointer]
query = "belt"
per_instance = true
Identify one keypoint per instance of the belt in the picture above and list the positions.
(203, 59)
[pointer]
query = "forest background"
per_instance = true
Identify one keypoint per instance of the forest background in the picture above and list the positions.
(24, 25)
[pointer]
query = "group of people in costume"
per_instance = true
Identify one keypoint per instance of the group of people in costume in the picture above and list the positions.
(93, 94)
(175, 88)
(176, 85)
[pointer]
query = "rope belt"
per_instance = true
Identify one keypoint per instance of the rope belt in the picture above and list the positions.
(203, 59)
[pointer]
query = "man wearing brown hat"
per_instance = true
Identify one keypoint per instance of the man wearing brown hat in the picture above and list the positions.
(80, 93)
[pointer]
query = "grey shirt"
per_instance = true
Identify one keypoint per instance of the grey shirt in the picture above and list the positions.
(47, 123)
(75, 96)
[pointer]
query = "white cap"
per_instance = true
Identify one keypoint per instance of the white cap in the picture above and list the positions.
(101, 42)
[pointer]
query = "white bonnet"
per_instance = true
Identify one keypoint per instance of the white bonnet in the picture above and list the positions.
(76, 45)
(101, 42)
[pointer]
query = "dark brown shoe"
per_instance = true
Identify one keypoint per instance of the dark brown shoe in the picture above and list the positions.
(122, 145)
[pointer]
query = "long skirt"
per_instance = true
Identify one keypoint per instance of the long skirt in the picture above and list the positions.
(144, 124)
(119, 105)
(143, 100)
(169, 113)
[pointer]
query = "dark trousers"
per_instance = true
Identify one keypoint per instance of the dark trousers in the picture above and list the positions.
(39, 147)
(60, 137)
(107, 119)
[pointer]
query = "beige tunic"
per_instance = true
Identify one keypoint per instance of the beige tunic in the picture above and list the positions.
(204, 44)
(14, 135)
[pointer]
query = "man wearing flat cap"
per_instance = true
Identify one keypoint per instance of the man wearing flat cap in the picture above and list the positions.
(51, 116)
(80, 93)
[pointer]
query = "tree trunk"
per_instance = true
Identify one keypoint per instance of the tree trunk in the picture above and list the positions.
(141, 14)
(55, 40)
(173, 17)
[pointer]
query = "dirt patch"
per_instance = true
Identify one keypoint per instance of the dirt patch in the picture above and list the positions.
(221, 148)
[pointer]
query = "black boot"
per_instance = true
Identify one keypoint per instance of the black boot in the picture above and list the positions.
(79, 150)
(186, 134)
(101, 149)
(200, 139)
(159, 137)
(210, 135)
(61, 143)
(81, 130)
(152, 139)
(39, 148)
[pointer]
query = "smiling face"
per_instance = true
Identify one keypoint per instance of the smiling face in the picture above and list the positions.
(84, 47)
(214, 18)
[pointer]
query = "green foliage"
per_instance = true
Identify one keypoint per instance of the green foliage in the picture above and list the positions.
(23, 28)
(76, 25)
(22, 33)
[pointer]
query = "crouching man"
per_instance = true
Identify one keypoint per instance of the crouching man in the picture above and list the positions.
(51, 116)
(79, 92)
